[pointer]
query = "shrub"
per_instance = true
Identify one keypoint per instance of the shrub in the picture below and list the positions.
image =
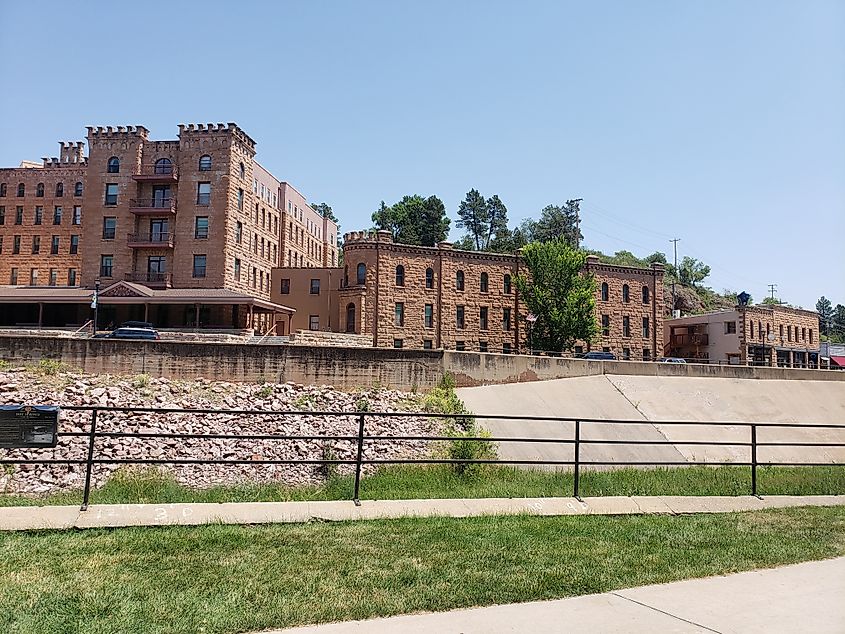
(265, 391)
(50, 367)
(141, 380)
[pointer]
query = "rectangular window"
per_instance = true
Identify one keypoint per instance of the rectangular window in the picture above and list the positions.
(2, 215)
(789, 333)
(18, 215)
(74, 245)
(54, 277)
(646, 354)
(239, 231)
(111, 194)
(16, 245)
(201, 227)
(36, 245)
(398, 343)
(605, 325)
(626, 326)
(204, 194)
(626, 354)
(106, 265)
(285, 287)
(399, 314)
(315, 287)
(199, 266)
(109, 227)
(429, 315)
(482, 317)
(646, 329)
(241, 199)
(39, 215)
(77, 215)
(313, 322)
(57, 215)
(506, 348)
(54, 246)
(33, 277)
(427, 344)
(482, 346)
(71, 277)
(238, 269)
(811, 336)
(460, 346)
(506, 319)
(730, 327)
(459, 317)
(13, 276)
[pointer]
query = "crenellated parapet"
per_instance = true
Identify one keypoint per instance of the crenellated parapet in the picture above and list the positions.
(191, 131)
(70, 155)
(117, 132)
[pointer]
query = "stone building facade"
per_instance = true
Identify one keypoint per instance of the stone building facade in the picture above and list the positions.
(41, 206)
(197, 212)
(440, 297)
(755, 335)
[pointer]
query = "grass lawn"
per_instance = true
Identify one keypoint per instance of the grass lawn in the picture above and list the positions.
(413, 482)
(240, 578)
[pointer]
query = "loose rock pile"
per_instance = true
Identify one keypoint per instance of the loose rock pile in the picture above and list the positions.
(27, 387)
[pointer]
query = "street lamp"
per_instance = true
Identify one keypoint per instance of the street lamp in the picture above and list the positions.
(95, 302)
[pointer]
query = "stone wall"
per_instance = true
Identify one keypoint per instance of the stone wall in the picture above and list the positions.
(347, 368)
(324, 338)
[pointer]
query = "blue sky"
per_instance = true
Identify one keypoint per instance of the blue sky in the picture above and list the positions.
(721, 123)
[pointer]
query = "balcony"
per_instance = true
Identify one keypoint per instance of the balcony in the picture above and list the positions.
(152, 206)
(153, 280)
(695, 339)
(156, 173)
(155, 240)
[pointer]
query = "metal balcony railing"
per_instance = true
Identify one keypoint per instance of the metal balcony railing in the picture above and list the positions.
(147, 205)
(156, 171)
(156, 239)
(158, 279)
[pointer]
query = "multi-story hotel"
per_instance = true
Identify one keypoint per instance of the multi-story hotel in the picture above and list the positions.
(181, 232)
(408, 296)
(756, 335)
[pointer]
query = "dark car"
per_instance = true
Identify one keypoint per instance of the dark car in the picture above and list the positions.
(149, 334)
(137, 324)
(600, 355)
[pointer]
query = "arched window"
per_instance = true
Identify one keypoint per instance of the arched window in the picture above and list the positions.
(163, 166)
(60, 190)
(400, 275)
(507, 284)
(113, 166)
(361, 274)
(485, 282)
(21, 190)
(626, 293)
(605, 292)
(459, 280)
(2, 190)
(39, 190)
(350, 318)
(77, 189)
(243, 171)
(645, 295)
(205, 163)
(429, 278)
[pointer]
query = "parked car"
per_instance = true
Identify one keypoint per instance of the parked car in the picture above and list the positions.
(137, 324)
(671, 360)
(149, 334)
(599, 355)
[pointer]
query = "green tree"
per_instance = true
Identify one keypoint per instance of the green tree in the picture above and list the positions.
(824, 307)
(837, 331)
(486, 223)
(326, 212)
(560, 297)
(414, 220)
(556, 222)
(772, 301)
(692, 271)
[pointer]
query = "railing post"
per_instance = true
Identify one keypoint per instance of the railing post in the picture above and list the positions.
(90, 462)
(577, 474)
(355, 497)
(754, 460)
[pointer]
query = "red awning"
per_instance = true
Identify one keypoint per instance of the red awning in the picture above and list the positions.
(840, 361)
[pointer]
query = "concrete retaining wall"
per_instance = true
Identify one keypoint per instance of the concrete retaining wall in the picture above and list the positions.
(347, 368)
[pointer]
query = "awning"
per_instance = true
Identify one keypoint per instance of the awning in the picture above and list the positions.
(840, 361)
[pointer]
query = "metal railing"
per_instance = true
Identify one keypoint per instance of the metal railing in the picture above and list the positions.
(164, 204)
(157, 238)
(360, 438)
(149, 278)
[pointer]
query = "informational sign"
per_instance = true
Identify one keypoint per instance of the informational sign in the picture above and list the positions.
(29, 426)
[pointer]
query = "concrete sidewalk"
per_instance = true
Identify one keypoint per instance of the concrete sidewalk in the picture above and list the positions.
(805, 597)
(119, 515)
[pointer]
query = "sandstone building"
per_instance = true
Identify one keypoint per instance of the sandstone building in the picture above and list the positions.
(407, 296)
(180, 232)
(756, 335)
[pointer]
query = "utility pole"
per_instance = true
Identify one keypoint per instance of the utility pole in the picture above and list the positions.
(577, 202)
(772, 289)
(675, 244)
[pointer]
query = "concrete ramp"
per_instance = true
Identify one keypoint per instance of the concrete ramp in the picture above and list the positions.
(653, 399)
